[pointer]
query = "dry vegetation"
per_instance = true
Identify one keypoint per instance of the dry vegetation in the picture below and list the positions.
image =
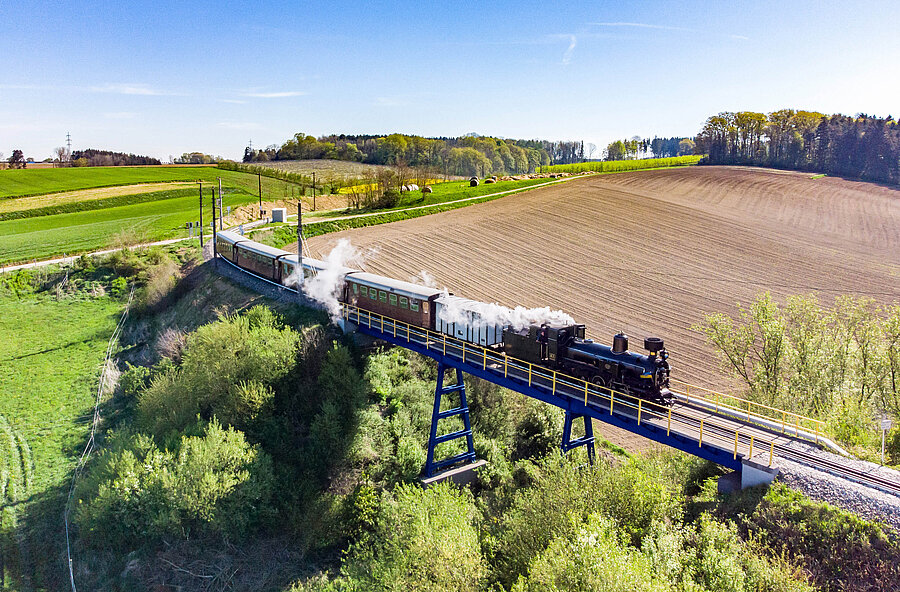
(651, 252)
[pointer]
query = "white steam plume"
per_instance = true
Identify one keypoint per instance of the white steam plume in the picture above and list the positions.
(325, 286)
(423, 279)
(455, 310)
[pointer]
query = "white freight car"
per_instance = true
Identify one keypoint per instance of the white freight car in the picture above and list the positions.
(468, 320)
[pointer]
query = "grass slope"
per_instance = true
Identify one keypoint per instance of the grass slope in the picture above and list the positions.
(46, 236)
(22, 182)
(48, 378)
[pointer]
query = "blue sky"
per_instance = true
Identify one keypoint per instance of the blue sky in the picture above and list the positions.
(164, 78)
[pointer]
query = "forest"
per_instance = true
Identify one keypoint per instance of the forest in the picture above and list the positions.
(93, 157)
(466, 155)
(862, 147)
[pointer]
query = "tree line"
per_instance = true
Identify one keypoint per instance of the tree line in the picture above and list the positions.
(862, 147)
(637, 148)
(93, 157)
(466, 155)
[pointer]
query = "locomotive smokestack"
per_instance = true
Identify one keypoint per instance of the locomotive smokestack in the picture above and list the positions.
(620, 343)
(653, 345)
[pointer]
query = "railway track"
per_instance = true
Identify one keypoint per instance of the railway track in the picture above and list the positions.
(820, 461)
(710, 429)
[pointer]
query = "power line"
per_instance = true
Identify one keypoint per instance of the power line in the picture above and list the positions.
(89, 447)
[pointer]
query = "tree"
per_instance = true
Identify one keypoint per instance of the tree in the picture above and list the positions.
(62, 154)
(616, 151)
(17, 160)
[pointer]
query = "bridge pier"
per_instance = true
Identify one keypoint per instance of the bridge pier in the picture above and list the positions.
(749, 475)
(586, 440)
(431, 465)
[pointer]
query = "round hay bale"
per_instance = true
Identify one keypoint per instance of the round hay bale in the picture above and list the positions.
(473, 182)
(427, 189)
(486, 181)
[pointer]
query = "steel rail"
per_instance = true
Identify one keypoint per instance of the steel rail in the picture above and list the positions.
(614, 402)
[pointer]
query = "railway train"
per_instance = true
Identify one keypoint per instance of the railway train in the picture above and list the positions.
(559, 346)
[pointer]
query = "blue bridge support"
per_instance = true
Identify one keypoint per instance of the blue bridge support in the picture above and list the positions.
(431, 465)
(586, 440)
(538, 384)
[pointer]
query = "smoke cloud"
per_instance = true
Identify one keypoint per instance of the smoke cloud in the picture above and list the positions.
(424, 279)
(325, 286)
(454, 310)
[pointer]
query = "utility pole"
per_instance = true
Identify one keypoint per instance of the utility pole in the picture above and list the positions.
(201, 218)
(259, 179)
(220, 203)
(314, 191)
(300, 243)
(213, 194)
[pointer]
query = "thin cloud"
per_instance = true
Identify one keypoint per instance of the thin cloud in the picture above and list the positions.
(238, 125)
(396, 101)
(120, 115)
(567, 56)
(641, 26)
(274, 95)
(121, 88)
(667, 28)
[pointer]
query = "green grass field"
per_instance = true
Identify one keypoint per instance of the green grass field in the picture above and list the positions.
(48, 377)
(78, 232)
(25, 182)
(22, 182)
(443, 193)
(620, 166)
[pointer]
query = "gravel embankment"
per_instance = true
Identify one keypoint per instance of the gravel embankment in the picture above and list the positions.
(867, 502)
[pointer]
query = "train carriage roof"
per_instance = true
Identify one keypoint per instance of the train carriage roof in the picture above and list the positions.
(315, 265)
(229, 236)
(261, 249)
(393, 286)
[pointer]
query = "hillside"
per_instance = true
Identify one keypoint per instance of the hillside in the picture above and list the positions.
(651, 252)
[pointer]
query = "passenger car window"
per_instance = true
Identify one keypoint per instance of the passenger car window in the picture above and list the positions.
(393, 300)
(382, 295)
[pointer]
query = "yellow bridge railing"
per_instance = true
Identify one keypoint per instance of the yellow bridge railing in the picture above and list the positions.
(561, 384)
(753, 412)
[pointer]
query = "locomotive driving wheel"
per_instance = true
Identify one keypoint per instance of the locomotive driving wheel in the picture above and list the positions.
(598, 382)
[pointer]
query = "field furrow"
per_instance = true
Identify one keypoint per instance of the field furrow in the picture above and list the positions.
(651, 252)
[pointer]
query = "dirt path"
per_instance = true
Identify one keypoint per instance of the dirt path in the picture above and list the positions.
(650, 252)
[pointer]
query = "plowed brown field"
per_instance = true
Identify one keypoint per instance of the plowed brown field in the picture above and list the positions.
(650, 252)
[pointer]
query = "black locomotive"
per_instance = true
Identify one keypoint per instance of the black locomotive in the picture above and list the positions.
(565, 348)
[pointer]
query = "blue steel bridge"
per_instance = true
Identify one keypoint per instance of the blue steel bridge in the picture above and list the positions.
(732, 432)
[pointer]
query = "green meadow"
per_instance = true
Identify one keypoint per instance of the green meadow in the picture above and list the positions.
(77, 232)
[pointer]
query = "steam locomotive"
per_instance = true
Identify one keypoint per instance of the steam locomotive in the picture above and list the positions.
(557, 343)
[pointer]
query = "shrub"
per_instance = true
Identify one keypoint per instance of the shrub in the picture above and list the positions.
(19, 283)
(564, 495)
(158, 282)
(425, 539)
(596, 558)
(539, 432)
(136, 493)
(224, 370)
(118, 287)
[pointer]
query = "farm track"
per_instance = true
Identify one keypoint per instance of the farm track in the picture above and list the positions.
(650, 252)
